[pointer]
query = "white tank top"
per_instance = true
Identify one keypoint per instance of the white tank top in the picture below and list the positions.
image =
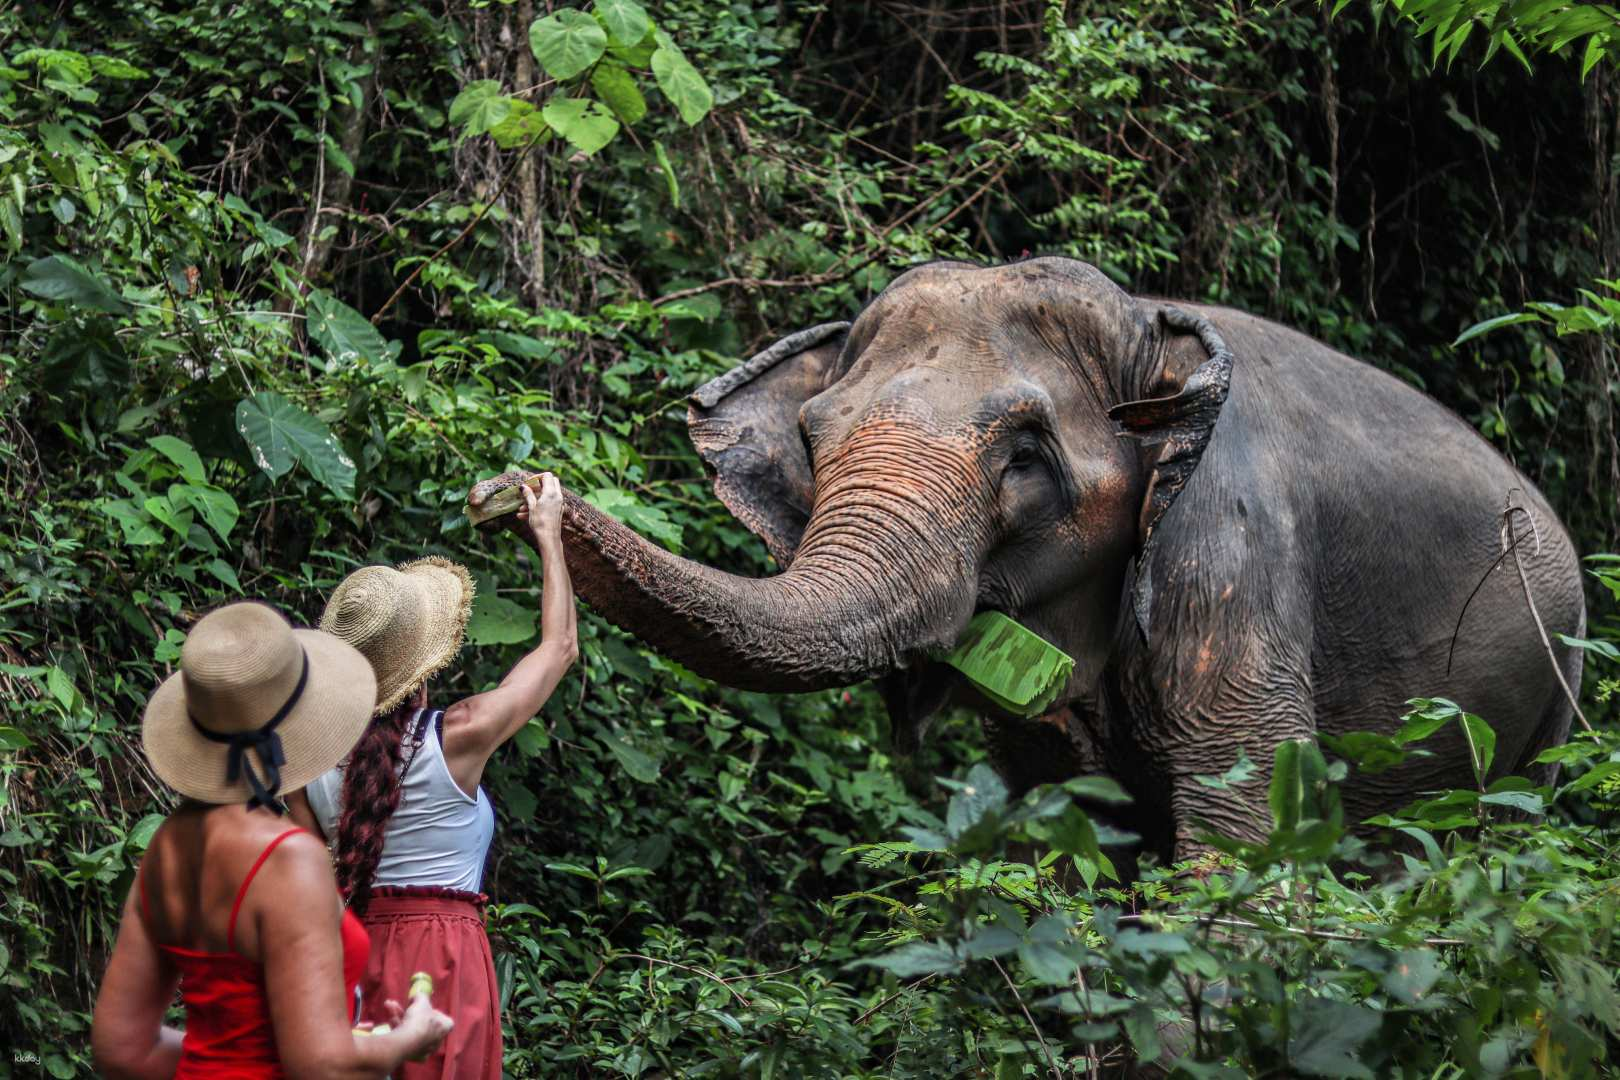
(439, 835)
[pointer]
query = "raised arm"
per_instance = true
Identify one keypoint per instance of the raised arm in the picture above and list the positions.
(475, 727)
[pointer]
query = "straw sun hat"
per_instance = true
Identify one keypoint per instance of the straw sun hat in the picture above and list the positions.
(256, 707)
(408, 621)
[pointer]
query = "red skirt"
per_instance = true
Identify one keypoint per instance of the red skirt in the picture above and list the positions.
(439, 931)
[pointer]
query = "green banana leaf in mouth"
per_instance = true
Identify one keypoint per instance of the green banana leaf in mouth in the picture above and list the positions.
(1010, 664)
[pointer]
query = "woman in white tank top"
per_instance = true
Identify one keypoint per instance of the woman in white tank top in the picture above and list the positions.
(408, 819)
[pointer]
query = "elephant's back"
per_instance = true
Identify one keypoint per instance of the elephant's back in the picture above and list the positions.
(1397, 507)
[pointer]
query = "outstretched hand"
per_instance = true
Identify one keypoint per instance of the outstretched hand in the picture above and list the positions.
(543, 513)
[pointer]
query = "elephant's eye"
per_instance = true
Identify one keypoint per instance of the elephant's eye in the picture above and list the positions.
(1025, 453)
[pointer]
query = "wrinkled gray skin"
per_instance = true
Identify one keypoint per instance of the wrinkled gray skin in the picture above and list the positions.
(1025, 438)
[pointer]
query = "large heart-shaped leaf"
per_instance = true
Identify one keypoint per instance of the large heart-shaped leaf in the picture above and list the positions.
(626, 20)
(57, 277)
(479, 107)
(280, 434)
(680, 82)
(343, 333)
(566, 43)
(585, 124)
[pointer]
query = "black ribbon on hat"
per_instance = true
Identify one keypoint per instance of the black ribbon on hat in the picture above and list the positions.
(265, 742)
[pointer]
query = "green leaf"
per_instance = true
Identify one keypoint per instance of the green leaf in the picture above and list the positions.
(1241, 772)
(1431, 850)
(175, 515)
(681, 83)
(1101, 788)
(1287, 785)
(216, 506)
(135, 522)
(522, 126)
(222, 570)
(639, 54)
(990, 941)
(1071, 833)
(1327, 1037)
(617, 89)
(479, 107)
(669, 174)
(1481, 745)
(279, 433)
(1594, 776)
(1594, 53)
(1497, 323)
(1412, 974)
(496, 620)
(638, 764)
(584, 123)
(1048, 964)
(626, 20)
(567, 42)
(180, 452)
(141, 835)
(57, 277)
(1527, 801)
(917, 958)
(346, 336)
(982, 793)
(626, 507)
(60, 685)
(12, 739)
(1602, 648)
(1010, 664)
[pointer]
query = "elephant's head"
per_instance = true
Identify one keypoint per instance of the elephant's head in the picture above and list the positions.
(956, 448)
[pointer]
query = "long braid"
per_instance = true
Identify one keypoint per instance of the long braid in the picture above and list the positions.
(371, 788)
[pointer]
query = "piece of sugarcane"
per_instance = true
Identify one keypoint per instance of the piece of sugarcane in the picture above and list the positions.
(505, 501)
(421, 983)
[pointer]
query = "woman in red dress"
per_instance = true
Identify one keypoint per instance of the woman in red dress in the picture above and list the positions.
(231, 907)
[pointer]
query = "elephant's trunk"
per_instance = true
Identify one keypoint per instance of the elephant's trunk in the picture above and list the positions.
(872, 587)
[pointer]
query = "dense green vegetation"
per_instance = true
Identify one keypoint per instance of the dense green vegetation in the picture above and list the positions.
(283, 277)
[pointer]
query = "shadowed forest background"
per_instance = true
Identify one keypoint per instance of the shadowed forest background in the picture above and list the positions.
(212, 385)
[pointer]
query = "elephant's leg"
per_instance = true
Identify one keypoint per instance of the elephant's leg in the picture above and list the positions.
(1212, 700)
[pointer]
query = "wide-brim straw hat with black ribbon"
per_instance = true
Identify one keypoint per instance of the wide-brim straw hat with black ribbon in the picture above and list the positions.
(407, 620)
(256, 708)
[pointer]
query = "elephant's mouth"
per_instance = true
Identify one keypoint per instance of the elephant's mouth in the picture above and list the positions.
(920, 689)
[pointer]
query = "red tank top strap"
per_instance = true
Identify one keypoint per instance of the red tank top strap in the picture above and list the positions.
(230, 929)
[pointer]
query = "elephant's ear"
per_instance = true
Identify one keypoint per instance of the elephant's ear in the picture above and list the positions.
(1190, 383)
(745, 425)
(1189, 388)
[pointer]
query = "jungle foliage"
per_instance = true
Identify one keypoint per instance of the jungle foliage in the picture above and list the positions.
(282, 278)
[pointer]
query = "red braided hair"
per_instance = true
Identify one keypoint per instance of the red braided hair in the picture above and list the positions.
(371, 786)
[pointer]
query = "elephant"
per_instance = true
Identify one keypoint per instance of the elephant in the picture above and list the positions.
(1241, 536)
